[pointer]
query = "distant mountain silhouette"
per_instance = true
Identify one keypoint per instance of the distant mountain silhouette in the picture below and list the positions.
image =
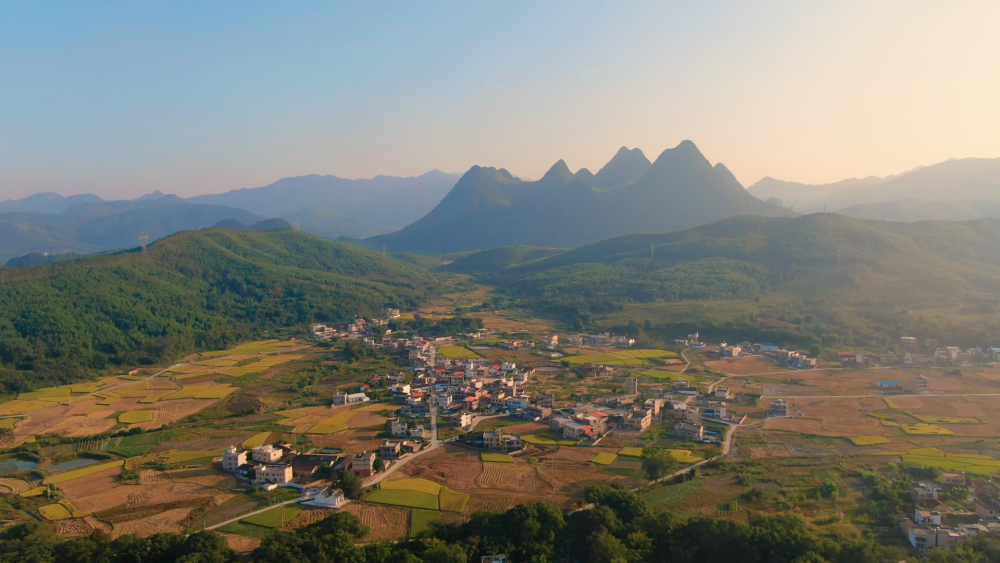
(488, 207)
(46, 202)
(625, 167)
(911, 210)
(96, 226)
(382, 204)
(957, 181)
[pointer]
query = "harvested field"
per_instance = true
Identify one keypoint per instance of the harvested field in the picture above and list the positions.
(13, 486)
(456, 467)
(365, 420)
(506, 477)
(81, 527)
(746, 366)
(307, 517)
(132, 417)
(151, 477)
(241, 544)
(89, 484)
(386, 522)
(164, 522)
(489, 503)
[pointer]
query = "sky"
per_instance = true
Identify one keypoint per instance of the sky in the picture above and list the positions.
(121, 99)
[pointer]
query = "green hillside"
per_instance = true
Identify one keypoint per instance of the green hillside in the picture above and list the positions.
(192, 290)
(859, 283)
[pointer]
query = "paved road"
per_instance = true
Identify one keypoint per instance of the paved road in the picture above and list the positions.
(249, 514)
(435, 443)
(478, 419)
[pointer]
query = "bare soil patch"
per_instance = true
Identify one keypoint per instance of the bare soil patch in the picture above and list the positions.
(386, 522)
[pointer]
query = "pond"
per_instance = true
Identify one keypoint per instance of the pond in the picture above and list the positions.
(72, 464)
(15, 465)
(330, 450)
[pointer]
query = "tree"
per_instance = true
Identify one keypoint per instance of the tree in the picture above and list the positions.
(658, 462)
(829, 488)
(378, 465)
(350, 483)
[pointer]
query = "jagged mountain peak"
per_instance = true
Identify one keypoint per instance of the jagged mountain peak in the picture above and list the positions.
(627, 166)
(559, 174)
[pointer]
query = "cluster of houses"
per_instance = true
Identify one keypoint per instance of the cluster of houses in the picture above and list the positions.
(926, 530)
(692, 341)
(602, 339)
(274, 464)
(354, 329)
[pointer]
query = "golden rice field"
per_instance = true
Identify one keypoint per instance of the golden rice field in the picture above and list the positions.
(604, 458)
(82, 472)
(132, 417)
(255, 441)
(334, 424)
(868, 440)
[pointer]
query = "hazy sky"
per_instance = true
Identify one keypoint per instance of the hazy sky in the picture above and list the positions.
(121, 99)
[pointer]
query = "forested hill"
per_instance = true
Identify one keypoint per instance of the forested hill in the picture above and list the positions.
(192, 290)
(831, 265)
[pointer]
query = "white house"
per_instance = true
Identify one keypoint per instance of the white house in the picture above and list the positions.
(267, 454)
(232, 459)
(329, 498)
(273, 474)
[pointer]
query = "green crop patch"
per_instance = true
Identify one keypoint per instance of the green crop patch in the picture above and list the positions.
(274, 518)
(421, 520)
(604, 458)
(411, 499)
(457, 352)
(868, 440)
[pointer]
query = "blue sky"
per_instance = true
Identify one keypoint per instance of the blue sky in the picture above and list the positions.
(120, 99)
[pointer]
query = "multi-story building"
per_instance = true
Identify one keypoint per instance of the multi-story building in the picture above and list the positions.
(461, 420)
(631, 386)
(689, 430)
(397, 428)
(389, 449)
(502, 442)
(273, 474)
(363, 464)
(778, 408)
(639, 420)
(232, 459)
(920, 384)
(267, 453)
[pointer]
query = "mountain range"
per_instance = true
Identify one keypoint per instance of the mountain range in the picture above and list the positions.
(379, 205)
(960, 185)
(489, 207)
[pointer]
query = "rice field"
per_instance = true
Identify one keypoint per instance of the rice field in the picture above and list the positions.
(457, 352)
(632, 452)
(624, 358)
(62, 510)
(421, 520)
(276, 517)
(260, 366)
(933, 457)
(18, 406)
(419, 485)
(410, 499)
(204, 391)
(255, 441)
(604, 458)
(90, 387)
(132, 417)
(925, 430)
(258, 347)
(51, 394)
(333, 424)
(420, 493)
(82, 472)
(8, 423)
(868, 440)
